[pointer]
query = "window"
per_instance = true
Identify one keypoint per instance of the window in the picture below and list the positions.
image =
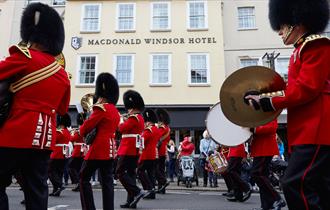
(125, 16)
(124, 66)
(281, 67)
(246, 18)
(91, 18)
(199, 68)
(327, 31)
(58, 2)
(87, 68)
(160, 16)
(31, 1)
(197, 15)
(248, 62)
(160, 69)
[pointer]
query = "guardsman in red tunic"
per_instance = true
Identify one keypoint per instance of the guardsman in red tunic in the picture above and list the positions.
(105, 119)
(59, 154)
(241, 189)
(41, 89)
(263, 147)
(147, 161)
(307, 98)
(164, 129)
(128, 152)
(78, 153)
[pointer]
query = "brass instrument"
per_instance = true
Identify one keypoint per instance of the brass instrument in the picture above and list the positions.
(87, 102)
(252, 78)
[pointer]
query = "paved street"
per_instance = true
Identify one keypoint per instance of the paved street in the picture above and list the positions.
(176, 199)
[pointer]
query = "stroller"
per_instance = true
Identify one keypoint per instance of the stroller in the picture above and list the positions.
(187, 171)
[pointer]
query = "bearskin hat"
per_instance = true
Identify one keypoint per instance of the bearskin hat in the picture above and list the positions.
(149, 116)
(133, 100)
(313, 14)
(163, 116)
(64, 120)
(43, 25)
(81, 118)
(107, 87)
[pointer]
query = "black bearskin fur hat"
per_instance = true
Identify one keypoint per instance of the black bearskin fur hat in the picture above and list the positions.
(107, 87)
(81, 118)
(149, 116)
(43, 25)
(313, 14)
(133, 100)
(64, 120)
(163, 116)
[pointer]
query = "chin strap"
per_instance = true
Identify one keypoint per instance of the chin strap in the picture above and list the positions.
(287, 35)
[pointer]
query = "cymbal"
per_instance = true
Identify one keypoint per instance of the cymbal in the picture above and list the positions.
(251, 78)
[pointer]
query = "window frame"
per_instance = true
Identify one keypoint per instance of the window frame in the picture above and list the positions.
(248, 58)
(280, 72)
(254, 19)
(117, 17)
(79, 56)
(58, 5)
(169, 82)
(114, 67)
(83, 10)
(205, 16)
(168, 16)
(208, 69)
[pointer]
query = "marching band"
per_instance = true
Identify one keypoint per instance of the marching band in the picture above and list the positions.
(144, 134)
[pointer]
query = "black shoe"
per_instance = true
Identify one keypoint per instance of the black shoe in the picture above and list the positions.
(246, 196)
(57, 193)
(54, 190)
(164, 187)
(277, 205)
(23, 202)
(228, 194)
(232, 199)
(150, 195)
(137, 198)
(127, 205)
(76, 188)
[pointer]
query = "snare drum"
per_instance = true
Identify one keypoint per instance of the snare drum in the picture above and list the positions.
(218, 163)
(222, 130)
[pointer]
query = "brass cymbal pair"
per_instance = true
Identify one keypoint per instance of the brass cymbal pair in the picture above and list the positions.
(252, 78)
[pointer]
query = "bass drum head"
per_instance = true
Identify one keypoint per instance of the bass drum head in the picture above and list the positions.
(222, 130)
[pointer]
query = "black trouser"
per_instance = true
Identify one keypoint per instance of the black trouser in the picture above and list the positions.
(126, 172)
(202, 162)
(160, 171)
(55, 173)
(260, 174)
(306, 182)
(228, 181)
(86, 193)
(33, 164)
(74, 168)
(146, 172)
(234, 171)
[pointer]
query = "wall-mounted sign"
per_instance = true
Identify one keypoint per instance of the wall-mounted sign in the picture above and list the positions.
(153, 41)
(76, 42)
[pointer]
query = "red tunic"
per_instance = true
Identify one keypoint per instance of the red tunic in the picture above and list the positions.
(151, 136)
(237, 151)
(105, 118)
(264, 140)
(164, 131)
(32, 122)
(133, 125)
(62, 140)
(307, 95)
(77, 142)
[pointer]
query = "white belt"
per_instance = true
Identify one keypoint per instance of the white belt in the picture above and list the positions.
(61, 145)
(78, 144)
(130, 135)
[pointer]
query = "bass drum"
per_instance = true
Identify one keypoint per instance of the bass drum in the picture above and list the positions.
(222, 130)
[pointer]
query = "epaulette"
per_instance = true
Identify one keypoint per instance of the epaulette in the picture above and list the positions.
(25, 50)
(101, 106)
(60, 130)
(148, 128)
(135, 116)
(309, 39)
(161, 125)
